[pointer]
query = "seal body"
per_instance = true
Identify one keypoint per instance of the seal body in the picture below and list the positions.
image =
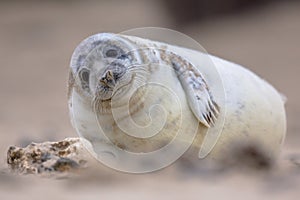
(140, 94)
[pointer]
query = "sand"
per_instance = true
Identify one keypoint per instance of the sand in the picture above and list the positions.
(36, 43)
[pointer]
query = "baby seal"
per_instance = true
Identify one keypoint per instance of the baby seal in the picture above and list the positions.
(128, 94)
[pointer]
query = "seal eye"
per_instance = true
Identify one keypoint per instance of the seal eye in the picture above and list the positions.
(84, 76)
(111, 53)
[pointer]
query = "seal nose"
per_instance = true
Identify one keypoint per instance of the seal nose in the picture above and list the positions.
(112, 74)
(107, 79)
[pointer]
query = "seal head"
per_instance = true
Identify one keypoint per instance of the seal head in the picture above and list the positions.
(102, 66)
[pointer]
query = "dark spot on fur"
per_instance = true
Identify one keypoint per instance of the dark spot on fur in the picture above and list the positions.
(96, 43)
(80, 60)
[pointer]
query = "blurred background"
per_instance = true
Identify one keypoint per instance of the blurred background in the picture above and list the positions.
(37, 39)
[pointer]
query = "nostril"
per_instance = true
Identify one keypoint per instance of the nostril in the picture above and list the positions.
(107, 79)
(109, 75)
(103, 81)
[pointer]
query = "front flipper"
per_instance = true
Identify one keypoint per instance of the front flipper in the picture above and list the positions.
(197, 91)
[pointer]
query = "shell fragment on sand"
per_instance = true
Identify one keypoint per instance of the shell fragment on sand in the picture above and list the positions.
(48, 157)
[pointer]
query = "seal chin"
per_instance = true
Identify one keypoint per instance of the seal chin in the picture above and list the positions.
(104, 93)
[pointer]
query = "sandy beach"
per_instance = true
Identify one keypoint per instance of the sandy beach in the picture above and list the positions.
(36, 43)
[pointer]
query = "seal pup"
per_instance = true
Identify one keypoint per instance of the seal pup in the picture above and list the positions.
(138, 94)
